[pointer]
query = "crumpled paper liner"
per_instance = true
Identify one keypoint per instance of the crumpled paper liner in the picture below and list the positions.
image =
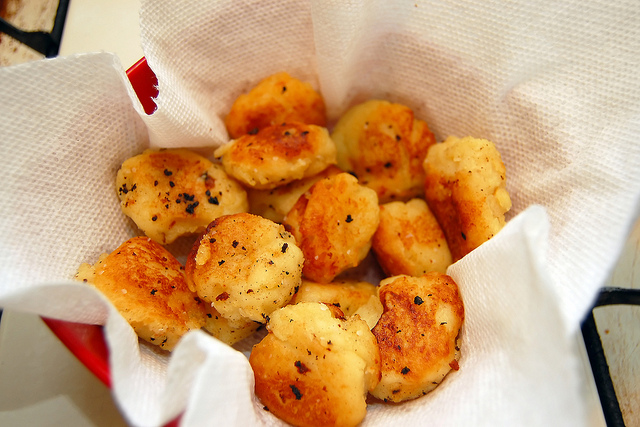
(554, 86)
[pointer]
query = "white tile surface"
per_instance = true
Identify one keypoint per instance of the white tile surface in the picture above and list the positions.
(103, 25)
(619, 328)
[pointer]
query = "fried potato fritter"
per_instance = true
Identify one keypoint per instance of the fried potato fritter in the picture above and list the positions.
(417, 334)
(384, 145)
(277, 99)
(278, 154)
(245, 266)
(409, 240)
(350, 296)
(313, 369)
(147, 286)
(333, 224)
(274, 204)
(465, 187)
(176, 192)
(226, 331)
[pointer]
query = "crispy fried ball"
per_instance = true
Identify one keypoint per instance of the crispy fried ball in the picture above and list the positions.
(224, 330)
(147, 286)
(278, 154)
(333, 224)
(313, 369)
(171, 193)
(417, 334)
(465, 188)
(276, 203)
(409, 240)
(245, 266)
(350, 296)
(384, 145)
(276, 99)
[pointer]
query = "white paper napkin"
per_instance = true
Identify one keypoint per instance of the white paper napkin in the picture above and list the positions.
(555, 86)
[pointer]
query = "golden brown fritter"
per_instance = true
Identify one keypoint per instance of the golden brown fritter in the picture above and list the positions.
(333, 224)
(226, 331)
(171, 193)
(350, 296)
(274, 204)
(465, 187)
(417, 334)
(409, 240)
(276, 99)
(313, 369)
(278, 154)
(384, 145)
(245, 266)
(147, 286)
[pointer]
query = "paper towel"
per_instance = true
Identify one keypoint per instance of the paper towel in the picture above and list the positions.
(554, 86)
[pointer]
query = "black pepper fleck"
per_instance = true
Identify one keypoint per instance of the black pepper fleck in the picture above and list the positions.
(191, 207)
(284, 247)
(167, 172)
(349, 218)
(154, 218)
(405, 370)
(302, 368)
(417, 300)
(296, 392)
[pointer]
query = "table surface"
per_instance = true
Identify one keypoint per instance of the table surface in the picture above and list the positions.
(42, 383)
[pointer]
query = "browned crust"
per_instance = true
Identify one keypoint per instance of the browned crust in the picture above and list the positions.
(333, 224)
(276, 99)
(413, 343)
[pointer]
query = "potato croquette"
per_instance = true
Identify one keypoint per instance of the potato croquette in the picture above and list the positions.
(147, 286)
(277, 99)
(245, 266)
(350, 296)
(465, 187)
(409, 240)
(278, 155)
(276, 203)
(384, 145)
(417, 334)
(223, 330)
(313, 369)
(172, 193)
(333, 223)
